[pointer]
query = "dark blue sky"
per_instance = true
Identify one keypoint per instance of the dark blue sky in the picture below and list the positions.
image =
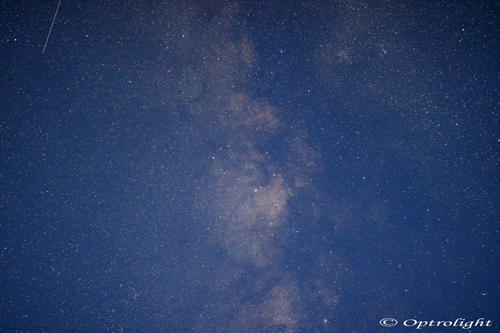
(206, 166)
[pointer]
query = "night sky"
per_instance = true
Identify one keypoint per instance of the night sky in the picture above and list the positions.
(244, 166)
